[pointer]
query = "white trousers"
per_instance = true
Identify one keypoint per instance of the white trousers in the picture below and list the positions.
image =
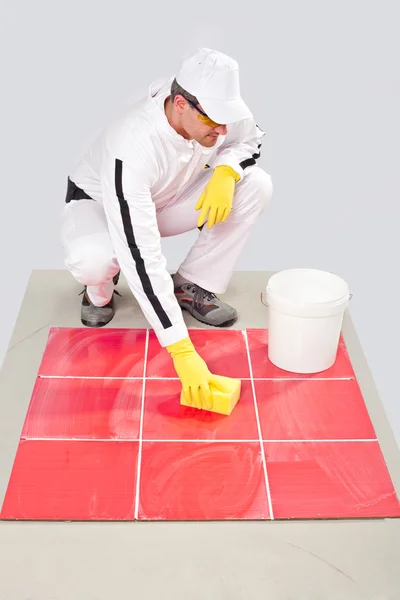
(90, 256)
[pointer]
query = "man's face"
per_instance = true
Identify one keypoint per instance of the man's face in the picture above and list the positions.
(197, 126)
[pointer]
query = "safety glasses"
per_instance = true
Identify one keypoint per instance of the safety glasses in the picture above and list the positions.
(203, 117)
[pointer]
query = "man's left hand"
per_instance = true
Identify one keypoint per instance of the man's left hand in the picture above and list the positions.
(216, 199)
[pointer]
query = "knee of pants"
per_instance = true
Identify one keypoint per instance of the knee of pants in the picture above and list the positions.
(91, 264)
(256, 192)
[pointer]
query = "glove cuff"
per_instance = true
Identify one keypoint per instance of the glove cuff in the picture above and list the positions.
(183, 346)
(228, 171)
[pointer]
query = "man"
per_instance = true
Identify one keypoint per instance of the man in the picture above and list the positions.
(183, 157)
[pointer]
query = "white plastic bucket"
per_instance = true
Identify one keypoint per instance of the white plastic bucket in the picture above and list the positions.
(306, 309)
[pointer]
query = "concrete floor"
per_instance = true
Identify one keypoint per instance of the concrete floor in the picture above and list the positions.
(310, 560)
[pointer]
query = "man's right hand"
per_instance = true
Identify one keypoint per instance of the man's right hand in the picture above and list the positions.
(193, 373)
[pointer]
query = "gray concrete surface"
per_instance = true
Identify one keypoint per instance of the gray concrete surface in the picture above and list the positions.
(280, 560)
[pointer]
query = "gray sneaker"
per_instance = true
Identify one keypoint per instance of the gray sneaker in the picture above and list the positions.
(97, 316)
(205, 306)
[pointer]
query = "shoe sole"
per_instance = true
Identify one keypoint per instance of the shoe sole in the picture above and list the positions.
(224, 324)
(94, 324)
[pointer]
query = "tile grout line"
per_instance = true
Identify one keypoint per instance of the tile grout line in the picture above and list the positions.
(300, 378)
(89, 377)
(326, 441)
(201, 441)
(197, 440)
(177, 378)
(139, 458)
(264, 462)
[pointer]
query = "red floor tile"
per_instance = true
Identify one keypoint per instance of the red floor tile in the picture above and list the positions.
(165, 418)
(312, 409)
(329, 480)
(64, 480)
(84, 408)
(83, 352)
(200, 480)
(262, 366)
(224, 352)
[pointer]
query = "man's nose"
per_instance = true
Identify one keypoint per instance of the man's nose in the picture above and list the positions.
(221, 129)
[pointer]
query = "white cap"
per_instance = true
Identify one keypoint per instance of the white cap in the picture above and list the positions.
(213, 77)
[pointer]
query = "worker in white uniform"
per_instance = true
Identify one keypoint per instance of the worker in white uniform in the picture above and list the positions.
(184, 157)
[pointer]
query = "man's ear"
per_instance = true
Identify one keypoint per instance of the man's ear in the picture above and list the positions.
(180, 103)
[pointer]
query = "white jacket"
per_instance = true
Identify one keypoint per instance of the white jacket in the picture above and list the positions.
(138, 165)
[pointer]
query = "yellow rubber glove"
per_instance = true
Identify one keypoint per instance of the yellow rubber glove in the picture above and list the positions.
(216, 199)
(193, 373)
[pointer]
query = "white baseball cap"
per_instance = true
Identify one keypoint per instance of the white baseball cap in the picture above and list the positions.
(213, 77)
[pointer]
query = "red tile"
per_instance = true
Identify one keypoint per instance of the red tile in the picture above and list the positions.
(201, 480)
(84, 408)
(312, 410)
(165, 418)
(329, 480)
(97, 352)
(72, 480)
(263, 367)
(159, 362)
(224, 352)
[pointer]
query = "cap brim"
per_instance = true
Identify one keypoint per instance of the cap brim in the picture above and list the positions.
(226, 111)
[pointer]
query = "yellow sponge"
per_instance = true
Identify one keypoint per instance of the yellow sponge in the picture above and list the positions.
(224, 397)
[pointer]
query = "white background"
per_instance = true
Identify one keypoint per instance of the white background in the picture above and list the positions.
(322, 79)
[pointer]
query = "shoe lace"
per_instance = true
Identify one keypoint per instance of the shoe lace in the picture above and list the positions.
(200, 294)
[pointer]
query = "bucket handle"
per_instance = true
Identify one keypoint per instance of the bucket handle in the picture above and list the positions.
(266, 304)
(262, 296)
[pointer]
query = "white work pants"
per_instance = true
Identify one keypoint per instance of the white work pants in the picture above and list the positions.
(90, 257)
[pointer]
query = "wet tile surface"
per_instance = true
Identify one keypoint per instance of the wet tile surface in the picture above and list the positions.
(329, 480)
(94, 352)
(165, 418)
(72, 480)
(84, 409)
(225, 353)
(312, 410)
(92, 418)
(202, 481)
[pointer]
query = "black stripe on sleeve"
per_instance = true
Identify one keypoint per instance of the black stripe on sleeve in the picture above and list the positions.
(135, 252)
(247, 163)
(250, 161)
